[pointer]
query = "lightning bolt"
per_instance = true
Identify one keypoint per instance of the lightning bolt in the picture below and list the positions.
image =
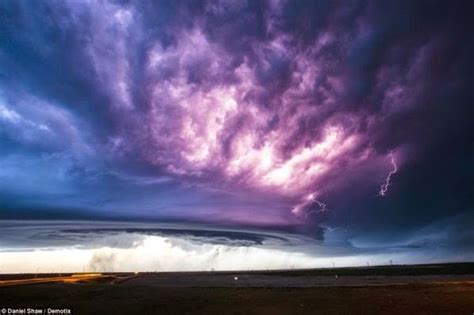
(322, 207)
(310, 199)
(384, 186)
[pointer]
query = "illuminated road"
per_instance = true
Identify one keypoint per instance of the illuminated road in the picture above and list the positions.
(66, 279)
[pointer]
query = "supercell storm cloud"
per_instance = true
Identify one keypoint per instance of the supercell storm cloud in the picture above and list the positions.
(346, 114)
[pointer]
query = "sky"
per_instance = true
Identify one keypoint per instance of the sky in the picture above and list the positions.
(107, 246)
(306, 116)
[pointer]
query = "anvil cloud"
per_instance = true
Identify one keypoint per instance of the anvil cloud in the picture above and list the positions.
(287, 113)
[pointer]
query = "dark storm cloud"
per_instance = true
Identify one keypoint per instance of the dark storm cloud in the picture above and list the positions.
(276, 112)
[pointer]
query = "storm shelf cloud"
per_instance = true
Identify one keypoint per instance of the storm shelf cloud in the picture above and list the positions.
(71, 246)
(299, 116)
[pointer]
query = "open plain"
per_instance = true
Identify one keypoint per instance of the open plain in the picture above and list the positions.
(424, 289)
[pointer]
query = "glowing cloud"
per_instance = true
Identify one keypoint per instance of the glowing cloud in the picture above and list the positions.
(232, 111)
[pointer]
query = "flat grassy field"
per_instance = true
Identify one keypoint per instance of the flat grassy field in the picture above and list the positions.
(432, 289)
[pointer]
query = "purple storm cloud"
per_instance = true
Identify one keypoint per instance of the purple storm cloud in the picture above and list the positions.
(259, 112)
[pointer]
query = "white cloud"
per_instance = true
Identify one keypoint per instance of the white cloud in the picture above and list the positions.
(121, 251)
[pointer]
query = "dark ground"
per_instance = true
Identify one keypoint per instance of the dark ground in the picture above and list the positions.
(431, 289)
